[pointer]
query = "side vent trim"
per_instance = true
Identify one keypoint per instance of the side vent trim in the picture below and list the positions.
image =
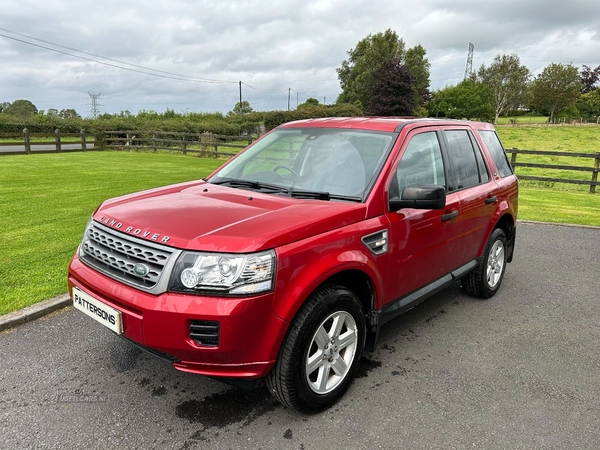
(377, 242)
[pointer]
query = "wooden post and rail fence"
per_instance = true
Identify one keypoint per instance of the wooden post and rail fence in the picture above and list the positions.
(213, 145)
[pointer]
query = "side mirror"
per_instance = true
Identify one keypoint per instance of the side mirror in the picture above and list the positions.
(420, 196)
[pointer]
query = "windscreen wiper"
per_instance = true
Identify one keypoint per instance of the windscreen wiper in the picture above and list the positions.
(321, 195)
(258, 185)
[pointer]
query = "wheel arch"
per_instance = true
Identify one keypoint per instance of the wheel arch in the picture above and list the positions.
(507, 224)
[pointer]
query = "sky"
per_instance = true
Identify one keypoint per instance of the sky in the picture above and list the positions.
(191, 55)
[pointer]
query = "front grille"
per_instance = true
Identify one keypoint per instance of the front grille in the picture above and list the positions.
(205, 332)
(118, 255)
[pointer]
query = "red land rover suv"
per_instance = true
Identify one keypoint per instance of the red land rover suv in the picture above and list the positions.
(285, 262)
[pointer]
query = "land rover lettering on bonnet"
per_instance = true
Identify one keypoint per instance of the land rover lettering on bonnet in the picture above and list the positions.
(284, 264)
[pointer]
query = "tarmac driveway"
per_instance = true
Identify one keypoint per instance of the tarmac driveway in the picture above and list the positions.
(521, 370)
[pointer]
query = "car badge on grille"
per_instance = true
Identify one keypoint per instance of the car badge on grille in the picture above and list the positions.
(141, 270)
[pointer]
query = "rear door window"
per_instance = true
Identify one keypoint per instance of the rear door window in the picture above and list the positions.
(466, 162)
(492, 142)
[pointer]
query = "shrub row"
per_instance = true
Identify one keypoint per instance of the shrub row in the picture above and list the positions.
(275, 118)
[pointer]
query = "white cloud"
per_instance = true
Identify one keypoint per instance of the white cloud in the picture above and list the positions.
(270, 46)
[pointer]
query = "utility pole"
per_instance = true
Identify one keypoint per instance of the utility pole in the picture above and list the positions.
(95, 104)
(241, 112)
(289, 93)
(469, 67)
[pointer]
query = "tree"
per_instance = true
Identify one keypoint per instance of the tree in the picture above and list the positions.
(393, 92)
(470, 99)
(556, 88)
(4, 106)
(507, 80)
(52, 112)
(21, 108)
(419, 67)
(240, 109)
(309, 103)
(589, 78)
(356, 73)
(68, 114)
(588, 105)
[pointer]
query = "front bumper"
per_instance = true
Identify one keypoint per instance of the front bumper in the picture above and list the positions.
(250, 334)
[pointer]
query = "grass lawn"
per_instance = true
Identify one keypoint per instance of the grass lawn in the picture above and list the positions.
(46, 200)
(558, 206)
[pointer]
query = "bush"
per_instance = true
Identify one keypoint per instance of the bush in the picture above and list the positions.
(275, 118)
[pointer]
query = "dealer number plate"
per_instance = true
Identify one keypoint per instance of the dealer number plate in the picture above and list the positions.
(97, 310)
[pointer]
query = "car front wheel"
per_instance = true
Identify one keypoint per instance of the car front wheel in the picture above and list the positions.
(322, 351)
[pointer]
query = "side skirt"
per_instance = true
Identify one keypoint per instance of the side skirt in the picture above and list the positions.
(399, 306)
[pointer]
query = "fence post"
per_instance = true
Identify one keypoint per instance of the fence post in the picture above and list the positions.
(26, 141)
(102, 137)
(154, 141)
(513, 159)
(215, 145)
(595, 174)
(184, 144)
(83, 143)
(57, 139)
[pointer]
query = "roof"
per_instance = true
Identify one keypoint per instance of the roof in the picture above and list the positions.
(375, 123)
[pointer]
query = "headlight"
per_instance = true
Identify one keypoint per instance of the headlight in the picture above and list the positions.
(224, 273)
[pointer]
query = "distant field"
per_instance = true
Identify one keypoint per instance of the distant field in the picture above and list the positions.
(583, 138)
(574, 139)
(522, 120)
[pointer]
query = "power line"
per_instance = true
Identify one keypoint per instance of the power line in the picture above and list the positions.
(111, 59)
(190, 79)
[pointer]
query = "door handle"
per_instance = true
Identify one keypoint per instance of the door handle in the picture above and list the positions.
(449, 216)
(491, 200)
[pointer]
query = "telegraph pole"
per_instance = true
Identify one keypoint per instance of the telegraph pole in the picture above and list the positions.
(241, 112)
(289, 93)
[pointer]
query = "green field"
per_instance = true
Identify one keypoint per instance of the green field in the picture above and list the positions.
(571, 139)
(583, 139)
(46, 200)
(522, 120)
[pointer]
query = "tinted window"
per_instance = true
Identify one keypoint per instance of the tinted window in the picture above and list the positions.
(483, 173)
(421, 162)
(497, 151)
(465, 170)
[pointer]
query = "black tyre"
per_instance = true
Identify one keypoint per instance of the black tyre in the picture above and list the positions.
(321, 353)
(485, 280)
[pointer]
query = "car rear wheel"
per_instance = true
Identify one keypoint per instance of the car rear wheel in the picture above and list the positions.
(485, 280)
(321, 353)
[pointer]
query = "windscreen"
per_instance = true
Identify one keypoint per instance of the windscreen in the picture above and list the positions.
(338, 162)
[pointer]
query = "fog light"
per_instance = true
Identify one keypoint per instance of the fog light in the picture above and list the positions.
(191, 277)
